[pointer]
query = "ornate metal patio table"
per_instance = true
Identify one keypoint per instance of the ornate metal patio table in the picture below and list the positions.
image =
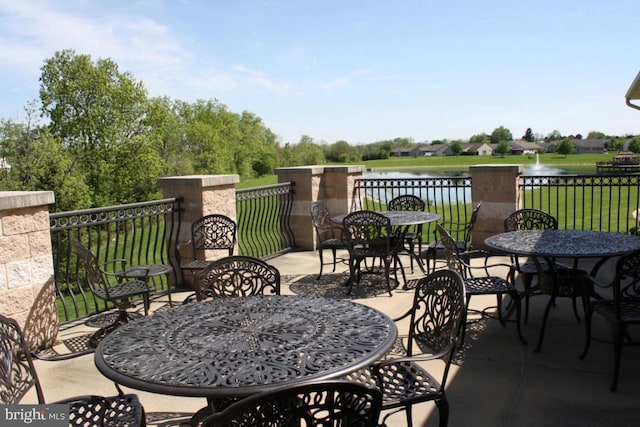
(574, 244)
(233, 347)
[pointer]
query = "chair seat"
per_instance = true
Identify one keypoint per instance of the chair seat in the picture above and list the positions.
(487, 285)
(121, 410)
(333, 243)
(402, 381)
(629, 309)
(126, 289)
(529, 267)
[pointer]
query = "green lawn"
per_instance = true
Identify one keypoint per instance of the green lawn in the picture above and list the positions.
(462, 163)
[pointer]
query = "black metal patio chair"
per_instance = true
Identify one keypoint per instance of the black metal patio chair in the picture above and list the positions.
(480, 279)
(530, 219)
(413, 235)
(621, 311)
(436, 316)
(369, 234)
(328, 233)
(113, 288)
(323, 404)
(18, 375)
(238, 275)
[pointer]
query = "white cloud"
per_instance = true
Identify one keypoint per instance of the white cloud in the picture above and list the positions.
(259, 79)
(335, 83)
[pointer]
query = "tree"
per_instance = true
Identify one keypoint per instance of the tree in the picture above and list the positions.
(501, 134)
(456, 147)
(98, 114)
(634, 144)
(481, 138)
(596, 135)
(564, 147)
(503, 148)
(555, 135)
(528, 135)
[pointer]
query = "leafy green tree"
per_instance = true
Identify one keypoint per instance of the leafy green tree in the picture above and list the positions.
(596, 135)
(456, 147)
(501, 134)
(481, 138)
(564, 147)
(39, 162)
(528, 135)
(634, 144)
(616, 144)
(503, 148)
(555, 135)
(98, 114)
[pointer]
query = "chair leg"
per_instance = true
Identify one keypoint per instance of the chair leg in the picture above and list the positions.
(516, 299)
(463, 324)
(527, 279)
(321, 263)
(587, 327)
(335, 255)
(550, 304)
(409, 415)
(617, 333)
(443, 411)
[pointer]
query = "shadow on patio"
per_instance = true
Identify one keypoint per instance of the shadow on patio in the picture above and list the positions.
(494, 381)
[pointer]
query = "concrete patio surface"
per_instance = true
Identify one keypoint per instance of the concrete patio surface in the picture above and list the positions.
(495, 380)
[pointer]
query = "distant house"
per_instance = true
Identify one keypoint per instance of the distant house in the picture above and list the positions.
(403, 152)
(481, 149)
(434, 149)
(524, 147)
(590, 145)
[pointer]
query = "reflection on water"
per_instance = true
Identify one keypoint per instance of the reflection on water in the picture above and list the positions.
(529, 170)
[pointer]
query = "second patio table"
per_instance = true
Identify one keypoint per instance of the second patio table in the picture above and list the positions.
(234, 347)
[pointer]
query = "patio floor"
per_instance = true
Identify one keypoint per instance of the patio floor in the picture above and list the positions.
(494, 381)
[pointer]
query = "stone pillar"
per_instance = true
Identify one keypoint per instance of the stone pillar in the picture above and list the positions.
(203, 195)
(333, 185)
(26, 260)
(496, 186)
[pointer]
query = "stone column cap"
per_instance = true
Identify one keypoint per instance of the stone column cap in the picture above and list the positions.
(198, 180)
(25, 199)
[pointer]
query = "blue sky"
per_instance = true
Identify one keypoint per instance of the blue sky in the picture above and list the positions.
(360, 71)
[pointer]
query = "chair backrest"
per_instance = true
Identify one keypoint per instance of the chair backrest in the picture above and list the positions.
(330, 403)
(367, 229)
(17, 372)
(468, 232)
(530, 219)
(89, 262)
(451, 250)
(213, 232)
(406, 202)
(626, 284)
(437, 314)
(238, 276)
(325, 228)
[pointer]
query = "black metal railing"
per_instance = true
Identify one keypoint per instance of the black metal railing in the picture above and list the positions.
(263, 214)
(449, 197)
(585, 202)
(140, 233)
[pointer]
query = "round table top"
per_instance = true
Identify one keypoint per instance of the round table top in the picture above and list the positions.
(242, 345)
(565, 243)
(401, 217)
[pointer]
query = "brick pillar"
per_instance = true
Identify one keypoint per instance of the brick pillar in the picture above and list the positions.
(203, 195)
(26, 260)
(496, 186)
(333, 185)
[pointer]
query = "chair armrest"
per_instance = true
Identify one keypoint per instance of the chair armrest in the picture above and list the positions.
(116, 264)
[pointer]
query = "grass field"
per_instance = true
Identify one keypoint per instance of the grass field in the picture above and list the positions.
(462, 163)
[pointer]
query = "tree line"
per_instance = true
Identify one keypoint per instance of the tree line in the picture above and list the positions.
(96, 138)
